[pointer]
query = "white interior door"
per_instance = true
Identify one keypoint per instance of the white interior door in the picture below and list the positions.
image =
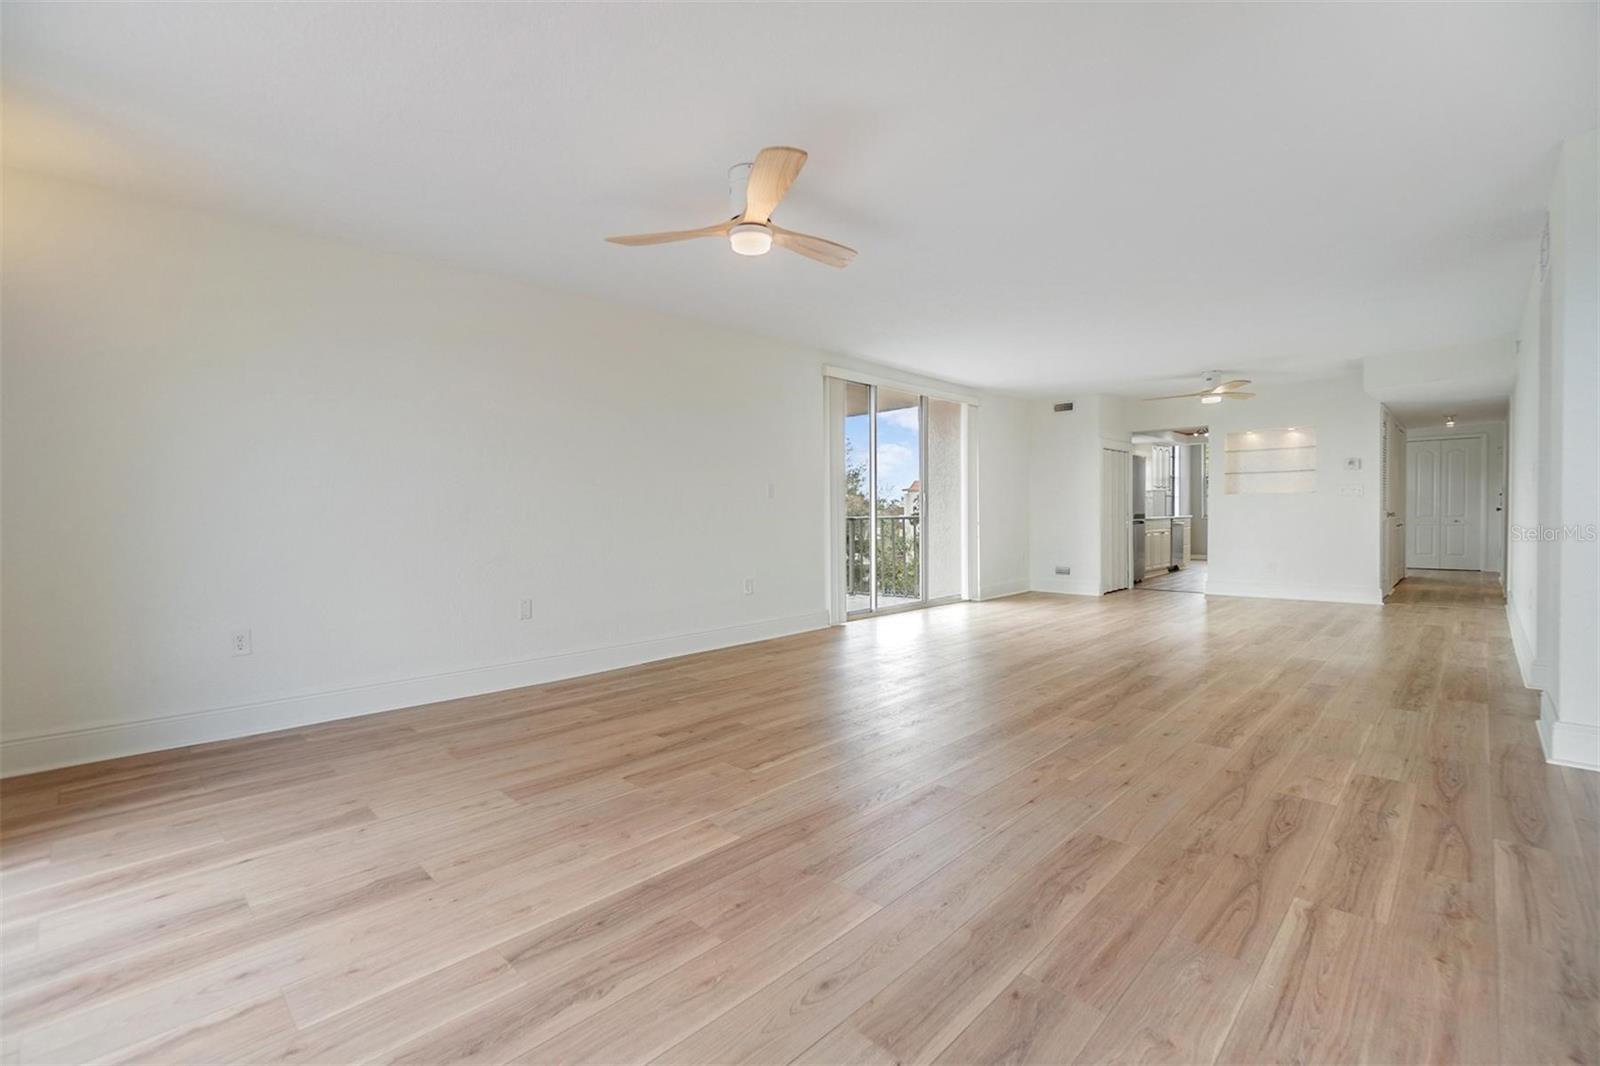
(1444, 513)
(1116, 521)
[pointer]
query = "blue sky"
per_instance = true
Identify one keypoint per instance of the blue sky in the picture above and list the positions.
(899, 450)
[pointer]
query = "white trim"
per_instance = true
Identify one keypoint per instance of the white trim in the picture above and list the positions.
(1535, 673)
(1068, 586)
(46, 751)
(1268, 590)
(870, 377)
(1001, 589)
(1567, 743)
(1073, 589)
(971, 515)
(833, 408)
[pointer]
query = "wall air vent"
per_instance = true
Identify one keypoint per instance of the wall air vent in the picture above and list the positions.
(1063, 407)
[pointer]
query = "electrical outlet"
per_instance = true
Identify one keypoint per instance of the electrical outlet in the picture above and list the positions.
(749, 586)
(527, 611)
(241, 642)
(1064, 570)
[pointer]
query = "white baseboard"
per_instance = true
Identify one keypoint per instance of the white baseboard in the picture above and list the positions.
(1535, 673)
(1567, 743)
(1066, 586)
(1269, 590)
(1000, 589)
(46, 751)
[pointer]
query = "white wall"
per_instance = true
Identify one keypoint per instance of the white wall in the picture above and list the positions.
(1323, 545)
(1064, 495)
(1317, 546)
(1003, 523)
(368, 460)
(1554, 602)
(1470, 379)
(1522, 488)
(1571, 711)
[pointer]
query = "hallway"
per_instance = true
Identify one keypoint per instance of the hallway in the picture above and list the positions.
(1448, 588)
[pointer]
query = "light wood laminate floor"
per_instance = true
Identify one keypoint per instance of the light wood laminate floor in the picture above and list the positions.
(1191, 578)
(1042, 829)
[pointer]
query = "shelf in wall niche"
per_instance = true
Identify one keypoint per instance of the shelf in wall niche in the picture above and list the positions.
(1270, 461)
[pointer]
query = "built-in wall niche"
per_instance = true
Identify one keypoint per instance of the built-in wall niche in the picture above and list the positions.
(1270, 460)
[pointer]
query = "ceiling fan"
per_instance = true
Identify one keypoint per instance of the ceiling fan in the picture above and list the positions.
(751, 231)
(1216, 390)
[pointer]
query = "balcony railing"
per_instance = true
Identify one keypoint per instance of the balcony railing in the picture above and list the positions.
(899, 556)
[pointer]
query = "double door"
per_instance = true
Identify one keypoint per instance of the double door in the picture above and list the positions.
(1444, 504)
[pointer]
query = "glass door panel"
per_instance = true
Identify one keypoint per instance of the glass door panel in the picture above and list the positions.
(858, 496)
(897, 463)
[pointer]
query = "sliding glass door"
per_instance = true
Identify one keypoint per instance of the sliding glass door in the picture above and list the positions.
(897, 522)
(904, 460)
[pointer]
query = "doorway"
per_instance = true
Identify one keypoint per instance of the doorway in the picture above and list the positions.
(1444, 485)
(904, 507)
(1169, 490)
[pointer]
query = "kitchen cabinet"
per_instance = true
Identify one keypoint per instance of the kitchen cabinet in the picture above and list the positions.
(1186, 529)
(1157, 545)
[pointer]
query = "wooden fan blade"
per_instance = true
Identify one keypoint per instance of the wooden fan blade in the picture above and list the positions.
(635, 239)
(1180, 396)
(774, 171)
(1232, 386)
(1239, 395)
(818, 248)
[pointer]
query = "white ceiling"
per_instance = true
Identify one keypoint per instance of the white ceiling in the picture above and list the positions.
(1465, 403)
(1044, 197)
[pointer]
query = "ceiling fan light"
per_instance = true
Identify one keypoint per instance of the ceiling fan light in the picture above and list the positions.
(1211, 398)
(749, 238)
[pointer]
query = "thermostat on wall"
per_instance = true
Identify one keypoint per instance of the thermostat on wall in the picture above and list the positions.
(1352, 464)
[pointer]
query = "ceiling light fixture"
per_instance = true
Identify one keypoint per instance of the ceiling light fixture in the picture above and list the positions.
(755, 190)
(1213, 398)
(750, 238)
(1449, 421)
